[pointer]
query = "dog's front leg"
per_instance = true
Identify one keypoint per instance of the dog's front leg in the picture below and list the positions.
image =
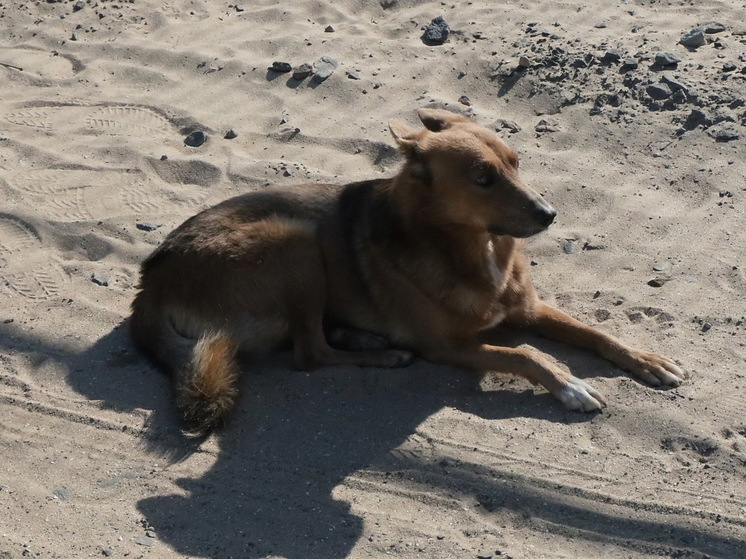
(571, 391)
(650, 367)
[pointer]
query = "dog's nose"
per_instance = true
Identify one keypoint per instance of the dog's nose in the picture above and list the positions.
(545, 215)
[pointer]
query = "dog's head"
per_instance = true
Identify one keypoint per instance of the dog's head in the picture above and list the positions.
(468, 176)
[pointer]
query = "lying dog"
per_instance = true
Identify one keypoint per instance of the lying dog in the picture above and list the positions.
(427, 260)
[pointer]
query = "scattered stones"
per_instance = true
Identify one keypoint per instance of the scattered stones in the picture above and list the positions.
(664, 59)
(281, 67)
(99, 279)
(196, 138)
(436, 32)
(659, 91)
(302, 71)
(230, 134)
(146, 226)
(323, 68)
(694, 38)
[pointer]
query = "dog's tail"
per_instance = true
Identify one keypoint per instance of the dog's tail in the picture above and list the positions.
(204, 370)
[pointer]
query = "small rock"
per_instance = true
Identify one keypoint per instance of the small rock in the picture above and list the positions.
(436, 33)
(713, 27)
(323, 68)
(145, 226)
(658, 282)
(329, 29)
(230, 134)
(510, 125)
(74, 37)
(302, 71)
(729, 66)
(150, 533)
(107, 552)
(725, 133)
(659, 91)
(706, 326)
(661, 266)
(673, 84)
(78, 6)
(164, 157)
(238, 8)
(98, 279)
(547, 126)
(353, 75)
(612, 56)
(524, 62)
(196, 138)
(571, 247)
(464, 100)
(281, 67)
(145, 540)
(666, 59)
(630, 64)
(694, 38)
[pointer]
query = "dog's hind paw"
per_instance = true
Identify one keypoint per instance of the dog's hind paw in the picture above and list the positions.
(580, 396)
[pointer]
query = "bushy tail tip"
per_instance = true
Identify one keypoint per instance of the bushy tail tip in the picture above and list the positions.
(206, 391)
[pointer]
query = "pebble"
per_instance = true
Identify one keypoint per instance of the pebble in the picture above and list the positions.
(323, 68)
(436, 33)
(353, 75)
(329, 29)
(547, 126)
(510, 125)
(196, 138)
(146, 226)
(571, 247)
(78, 6)
(630, 64)
(281, 67)
(666, 59)
(464, 100)
(101, 280)
(658, 282)
(612, 56)
(145, 540)
(713, 27)
(729, 66)
(725, 134)
(524, 62)
(230, 134)
(694, 38)
(673, 84)
(659, 91)
(302, 71)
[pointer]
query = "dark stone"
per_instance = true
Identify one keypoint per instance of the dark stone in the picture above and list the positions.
(464, 100)
(666, 59)
(612, 56)
(713, 27)
(658, 282)
(673, 84)
(436, 33)
(329, 29)
(302, 71)
(630, 64)
(99, 280)
(78, 6)
(694, 38)
(145, 226)
(729, 66)
(196, 138)
(281, 67)
(659, 91)
(230, 134)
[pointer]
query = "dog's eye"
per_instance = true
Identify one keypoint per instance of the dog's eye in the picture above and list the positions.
(485, 180)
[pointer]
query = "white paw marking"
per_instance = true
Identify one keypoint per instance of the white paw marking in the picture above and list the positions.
(579, 396)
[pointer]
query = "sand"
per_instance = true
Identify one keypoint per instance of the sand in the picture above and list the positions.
(96, 99)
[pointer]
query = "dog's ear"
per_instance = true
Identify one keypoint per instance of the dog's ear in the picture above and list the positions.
(406, 138)
(437, 120)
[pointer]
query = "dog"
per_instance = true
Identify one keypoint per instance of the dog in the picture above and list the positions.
(425, 262)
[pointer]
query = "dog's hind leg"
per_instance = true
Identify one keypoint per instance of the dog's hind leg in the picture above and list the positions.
(649, 367)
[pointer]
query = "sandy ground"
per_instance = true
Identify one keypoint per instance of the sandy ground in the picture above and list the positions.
(650, 184)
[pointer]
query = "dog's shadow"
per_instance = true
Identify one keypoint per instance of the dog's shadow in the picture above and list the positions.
(297, 436)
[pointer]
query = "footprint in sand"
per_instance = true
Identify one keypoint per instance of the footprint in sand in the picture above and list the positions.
(89, 195)
(121, 120)
(25, 269)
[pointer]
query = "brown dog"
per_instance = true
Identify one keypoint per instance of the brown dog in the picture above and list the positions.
(427, 259)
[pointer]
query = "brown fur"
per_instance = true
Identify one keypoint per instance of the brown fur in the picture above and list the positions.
(429, 260)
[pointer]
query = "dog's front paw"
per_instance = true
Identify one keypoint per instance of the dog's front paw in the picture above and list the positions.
(654, 369)
(580, 396)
